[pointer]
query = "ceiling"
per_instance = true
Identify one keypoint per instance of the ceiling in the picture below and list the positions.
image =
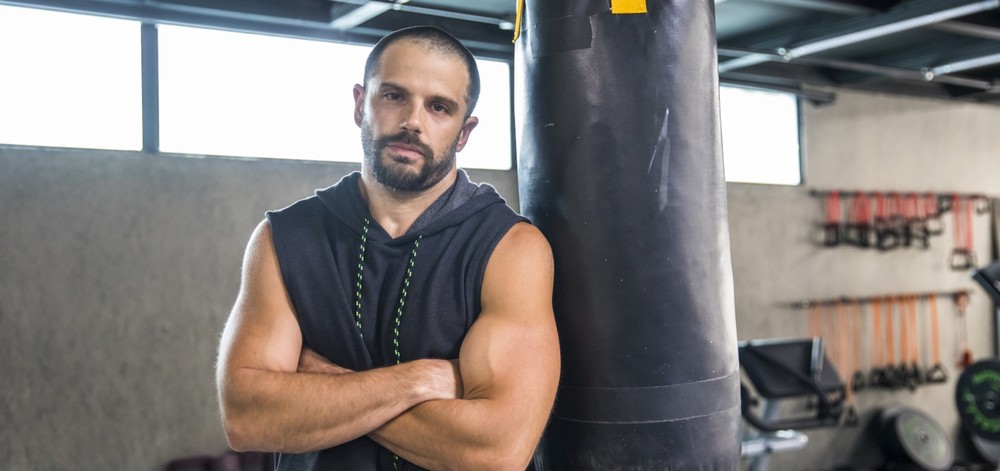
(948, 49)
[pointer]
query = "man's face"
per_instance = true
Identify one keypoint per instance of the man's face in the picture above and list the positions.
(412, 116)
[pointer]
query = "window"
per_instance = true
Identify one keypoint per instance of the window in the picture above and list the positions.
(489, 143)
(69, 80)
(760, 136)
(226, 93)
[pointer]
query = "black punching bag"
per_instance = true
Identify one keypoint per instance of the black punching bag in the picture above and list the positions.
(621, 168)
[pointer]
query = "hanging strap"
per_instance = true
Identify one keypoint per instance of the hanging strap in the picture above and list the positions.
(815, 325)
(831, 224)
(965, 353)
(933, 211)
(890, 337)
(915, 225)
(915, 375)
(886, 233)
(877, 346)
(937, 372)
(857, 345)
(904, 333)
(859, 221)
(962, 256)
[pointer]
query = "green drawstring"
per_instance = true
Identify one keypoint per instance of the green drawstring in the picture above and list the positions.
(399, 308)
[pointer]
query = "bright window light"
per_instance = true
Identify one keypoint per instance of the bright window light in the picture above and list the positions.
(489, 143)
(760, 136)
(224, 93)
(69, 80)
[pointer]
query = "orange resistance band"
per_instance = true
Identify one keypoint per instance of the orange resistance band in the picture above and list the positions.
(889, 333)
(915, 349)
(815, 320)
(843, 345)
(877, 348)
(965, 355)
(935, 340)
(833, 208)
(904, 332)
(856, 338)
(931, 206)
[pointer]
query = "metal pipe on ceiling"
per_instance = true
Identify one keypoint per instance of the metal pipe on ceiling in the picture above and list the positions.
(890, 24)
(847, 9)
(966, 64)
(893, 21)
(360, 15)
(885, 71)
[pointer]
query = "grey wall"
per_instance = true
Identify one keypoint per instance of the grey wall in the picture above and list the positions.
(118, 272)
(866, 142)
(119, 269)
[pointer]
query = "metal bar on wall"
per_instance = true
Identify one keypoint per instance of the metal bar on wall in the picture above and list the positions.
(869, 299)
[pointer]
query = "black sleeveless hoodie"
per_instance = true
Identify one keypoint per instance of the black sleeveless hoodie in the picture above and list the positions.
(318, 240)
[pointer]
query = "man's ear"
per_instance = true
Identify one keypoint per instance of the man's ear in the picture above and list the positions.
(359, 104)
(463, 135)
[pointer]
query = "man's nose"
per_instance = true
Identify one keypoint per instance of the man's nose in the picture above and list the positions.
(412, 118)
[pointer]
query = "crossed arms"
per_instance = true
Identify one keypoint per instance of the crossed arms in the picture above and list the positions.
(483, 410)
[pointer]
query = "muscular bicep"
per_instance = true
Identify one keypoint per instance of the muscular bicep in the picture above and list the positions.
(262, 331)
(511, 353)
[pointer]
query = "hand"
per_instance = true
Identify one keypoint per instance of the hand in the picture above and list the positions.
(312, 362)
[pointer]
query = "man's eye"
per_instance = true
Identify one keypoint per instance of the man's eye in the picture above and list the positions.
(393, 96)
(439, 108)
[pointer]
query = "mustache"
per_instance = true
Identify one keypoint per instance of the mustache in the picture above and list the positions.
(405, 138)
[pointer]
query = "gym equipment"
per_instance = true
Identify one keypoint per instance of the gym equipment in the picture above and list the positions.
(989, 278)
(977, 396)
(909, 436)
(621, 168)
(791, 368)
(963, 255)
(782, 369)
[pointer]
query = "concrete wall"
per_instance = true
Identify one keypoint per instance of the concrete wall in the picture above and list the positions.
(119, 270)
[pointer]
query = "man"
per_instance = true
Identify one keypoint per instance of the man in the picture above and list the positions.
(402, 318)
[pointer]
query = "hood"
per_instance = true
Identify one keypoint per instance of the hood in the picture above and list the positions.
(461, 201)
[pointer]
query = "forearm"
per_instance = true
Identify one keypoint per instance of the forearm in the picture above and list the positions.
(461, 434)
(296, 412)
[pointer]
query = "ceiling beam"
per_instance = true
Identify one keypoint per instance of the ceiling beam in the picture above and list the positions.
(905, 17)
(870, 69)
(802, 77)
(964, 64)
(840, 8)
(359, 15)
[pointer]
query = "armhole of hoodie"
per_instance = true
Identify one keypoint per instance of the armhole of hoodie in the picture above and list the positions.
(510, 220)
(281, 251)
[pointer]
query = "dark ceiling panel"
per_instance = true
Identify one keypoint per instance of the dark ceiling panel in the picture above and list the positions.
(749, 31)
(496, 8)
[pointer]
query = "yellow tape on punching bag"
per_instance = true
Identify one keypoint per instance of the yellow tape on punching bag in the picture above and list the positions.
(517, 20)
(628, 7)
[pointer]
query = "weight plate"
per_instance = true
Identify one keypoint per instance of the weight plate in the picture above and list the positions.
(989, 450)
(910, 436)
(924, 441)
(977, 396)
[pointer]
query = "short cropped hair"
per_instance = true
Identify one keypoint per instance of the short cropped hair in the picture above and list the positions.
(440, 41)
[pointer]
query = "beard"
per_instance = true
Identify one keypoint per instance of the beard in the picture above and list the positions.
(396, 175)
